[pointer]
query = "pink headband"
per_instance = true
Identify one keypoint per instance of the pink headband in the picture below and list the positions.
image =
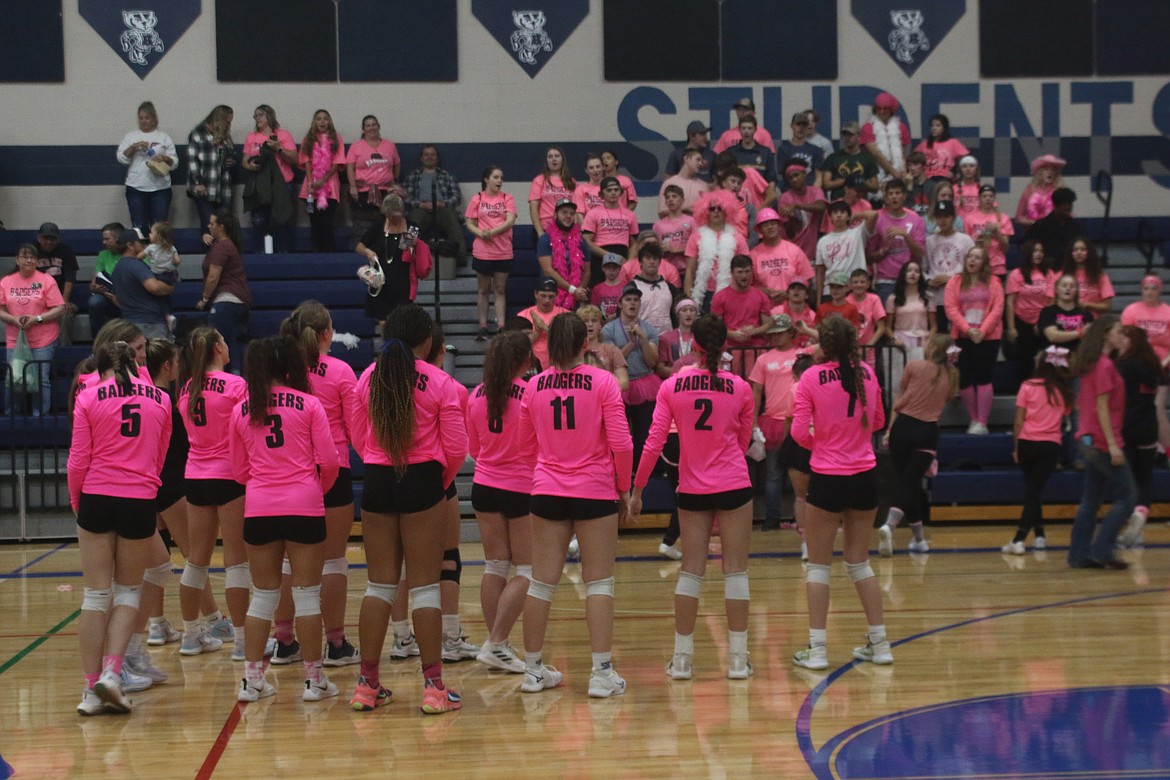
(1151, 279)
(796, 164)
(685, 302)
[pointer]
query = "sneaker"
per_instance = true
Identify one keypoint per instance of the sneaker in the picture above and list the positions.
(812, 657)
(1013, 548)
(804, 551)
(457, 648)
(199, 641)
(1131, 536)
(403, 647)
(249, 692)
(885, 541)
(877, 654)
(574, 549)
(1040, 543)
(669, 551)
(108, 688)
(738, 666)
(132, 682)
(680, 667)
(500, 656)
(344, 655)
(482, 335)
(536, 681)
(977, 429)
(162, 633)
(286, 653)
(436, 701)
(222, 629)
(603, 684)
(90, 704)
(920, 547)
(141, 664)
(319, 691)
(365, 698)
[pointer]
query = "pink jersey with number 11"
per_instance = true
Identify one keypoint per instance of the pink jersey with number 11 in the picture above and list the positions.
(713, 413)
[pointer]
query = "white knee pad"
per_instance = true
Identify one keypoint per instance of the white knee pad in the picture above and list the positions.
(127, 595)
(158, 575)
(426, 597)
(263, 603)
(859, 571)
(381, 592)
(193, 576)
(307, 600)
(286, 568)
(599, 588)
(338, 566)
(524, 571)
(817, 574)
(96, 600)
(238, 576)
(735, 586)
(688, 585)
(541, 590)
(496, 568)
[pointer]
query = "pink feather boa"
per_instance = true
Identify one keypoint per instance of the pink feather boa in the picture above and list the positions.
(567, 259)
(321, 166)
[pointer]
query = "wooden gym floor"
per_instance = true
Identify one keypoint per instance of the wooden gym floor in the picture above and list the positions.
(1005, 667)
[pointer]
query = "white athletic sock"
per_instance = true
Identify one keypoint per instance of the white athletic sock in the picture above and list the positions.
(684, 644)
(602, 662)
(214, 616)
(451, 625)
(190, 626)
(894, 517)
(916, 529)
(737, 641)
(533, 661)
(818, 637)
(876, 633)
(401, 629)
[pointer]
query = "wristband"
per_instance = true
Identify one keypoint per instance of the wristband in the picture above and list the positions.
(572, 290)
(40, 319)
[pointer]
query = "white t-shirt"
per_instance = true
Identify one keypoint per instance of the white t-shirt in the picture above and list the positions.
(944, 256)
(139, 177)
(842, 252)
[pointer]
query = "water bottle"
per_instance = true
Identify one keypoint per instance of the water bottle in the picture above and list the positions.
(150, 151)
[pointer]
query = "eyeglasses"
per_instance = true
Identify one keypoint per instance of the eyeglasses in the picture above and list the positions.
(714, 207)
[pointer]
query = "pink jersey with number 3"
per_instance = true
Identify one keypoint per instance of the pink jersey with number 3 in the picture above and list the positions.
(503, 457)
(713, 414)
(828, 422)
(207, 424)
(120, 437)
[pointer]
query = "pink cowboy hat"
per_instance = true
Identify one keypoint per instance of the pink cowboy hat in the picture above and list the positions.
(886, 100)
(1047, 159)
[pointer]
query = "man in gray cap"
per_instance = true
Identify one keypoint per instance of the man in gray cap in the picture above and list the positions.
(744, 107)
(697, 139)
(140, 294)
(849, 160)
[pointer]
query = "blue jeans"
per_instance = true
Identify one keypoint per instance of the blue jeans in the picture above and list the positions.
(44, 357)
(1101, 477)
(230, 319)
(146, 208)
(101, 310)
(773, 487)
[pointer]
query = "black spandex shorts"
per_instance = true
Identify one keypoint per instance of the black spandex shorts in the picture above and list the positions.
(169, 494)
(837, 493)
(451, 492)
(724, 501)
(129, 518)
(567, 508)
(341, 494)
(213, 492)
(793, 456)
(420, 488)
(489, 267)
(284, 528)
(508, 503)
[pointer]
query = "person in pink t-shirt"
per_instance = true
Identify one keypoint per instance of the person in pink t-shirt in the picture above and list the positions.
(712, 410)
(1152, 315)
(633, 267)
(886, 138)
(550, 187)
(501, 492)
(771, 380)
(836, 409)
(282, 450)
(804, 316)
(777, 261)
(609, 227)
(121, 429)
(942, 152)
(587, 194)
(744, 107)
(674, 229)
(410, 432)
(374, 169)
(607, 293)
(31, 303)
(990, 228)
(215, 501)
(873, 313)
(1029, 289)
(974, 303)
(1094, 287)
(322, 157)
(686, 180)
(333, 383)
(899, 235)
(490, 217)
(541, 315)
(802, 206)
(584, 464)
(744, 308)
(268, 143)
(609, 167)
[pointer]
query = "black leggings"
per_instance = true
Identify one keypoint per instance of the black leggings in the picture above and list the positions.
(910, 440)
(1028, 343)
(670, 455)
(1141, 463)
(321, 227)
(977, 362)
(1038, 460)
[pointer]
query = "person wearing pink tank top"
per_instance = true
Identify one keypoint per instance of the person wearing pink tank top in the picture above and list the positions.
(583, 468)
(836, 409)
(501, 492)
(215, 501)
(121, 426)
(281, 449)
(333, 383)
(714, 412)
(409, 431)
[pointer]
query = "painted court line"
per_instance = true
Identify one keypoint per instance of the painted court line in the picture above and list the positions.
(221, 742)
(18, 571)
(14, 660)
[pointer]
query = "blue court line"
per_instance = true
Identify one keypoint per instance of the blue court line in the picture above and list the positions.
(16, 573)
(818, 760)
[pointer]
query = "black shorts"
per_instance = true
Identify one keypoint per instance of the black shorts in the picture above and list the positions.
(793, 456)
(508, 503)
(489, 267)
(420, 488)
(341, 494)
(129, 518)
(724, 501)
(284, 528)
(837, 492)
(169, 494)
(213, 492)
(451, 492)
(568, 508)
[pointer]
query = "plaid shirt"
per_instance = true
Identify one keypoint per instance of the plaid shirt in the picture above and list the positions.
(446, 188)
(205, 165)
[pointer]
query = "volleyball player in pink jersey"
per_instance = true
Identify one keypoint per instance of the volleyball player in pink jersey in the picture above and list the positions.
(215, 501)
(410, 433)
(283, 452)
(583, 468)
(121, 426)
(333, 383)
(115, 330)
(714, 413)
(500, 492)
(837, 408)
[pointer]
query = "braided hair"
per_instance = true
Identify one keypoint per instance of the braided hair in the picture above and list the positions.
(838, 339)
(120, 358)
(710, 335)
(392, 382)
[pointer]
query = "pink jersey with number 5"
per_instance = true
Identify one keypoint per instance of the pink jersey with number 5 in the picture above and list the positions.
(207, 424)
(503, 457)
